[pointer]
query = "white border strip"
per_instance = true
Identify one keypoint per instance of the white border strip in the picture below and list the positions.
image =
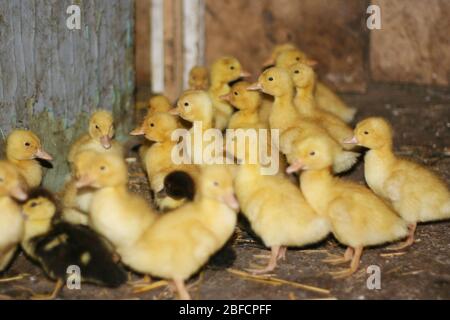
(193, 36)
(157, 45)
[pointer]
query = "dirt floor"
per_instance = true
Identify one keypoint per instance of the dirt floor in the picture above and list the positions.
(421, 118)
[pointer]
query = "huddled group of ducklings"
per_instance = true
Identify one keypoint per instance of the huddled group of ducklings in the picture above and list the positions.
(100, 222)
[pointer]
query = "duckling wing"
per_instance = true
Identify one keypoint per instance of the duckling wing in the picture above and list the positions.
(67, 245)
(359, 218)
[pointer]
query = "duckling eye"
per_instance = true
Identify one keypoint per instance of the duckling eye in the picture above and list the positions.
(232, 68)
(270, 78)
(103, 168)
(186, 104)
(97, 127)
(27, 144)
(33, 204)
(297, 71)
(216, 184)
(312, 153)
(236, 93)
(298, 58)
(366, 132)
(152, 124)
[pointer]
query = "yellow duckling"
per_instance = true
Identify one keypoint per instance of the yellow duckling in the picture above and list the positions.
(99, 137)
(293, 127)
(416, 193)
(304, 79)
(325, 97)
(23, 147)
(171, 246)
(271, 60)
(159, 103)
(158, 161)
(223, 71)
(281, 218)
(247, 102)
(11, 221)
(198, 78)
(358, 217)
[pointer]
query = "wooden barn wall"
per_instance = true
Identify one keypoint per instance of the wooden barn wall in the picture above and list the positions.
(51, 77)
(333, 32)
(413, 44)
(142, 37)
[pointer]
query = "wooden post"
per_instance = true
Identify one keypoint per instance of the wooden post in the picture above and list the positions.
(173, 48)
(157, 45)
(193, 36)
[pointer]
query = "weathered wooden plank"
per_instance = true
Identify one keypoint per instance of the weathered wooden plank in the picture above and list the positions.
(50, 76)
(173, 48)
(333, 32)
(142, 36)
(413, 44)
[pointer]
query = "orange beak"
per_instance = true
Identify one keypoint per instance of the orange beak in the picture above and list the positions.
(105, 142)
(41, 154)
(245, 74)
(18, 193)
(83, 181)
(294, 167)
(231, 201)
(137, 132)
(255, 87)
(311, 63)
(351, 140)
(226, 97)
(174, 112)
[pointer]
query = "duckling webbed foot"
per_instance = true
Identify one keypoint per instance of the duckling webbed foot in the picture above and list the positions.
(344, 273)
(277, 252)
(51, 296)
(340, 260)
(409, 241)
(146, 280)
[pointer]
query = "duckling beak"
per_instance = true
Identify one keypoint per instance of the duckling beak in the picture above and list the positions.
(231, 201)
(351, 140)
(311, 62)
(83, 181)
(137, 132)
(41, 154)
(18, 193)
(255, 87)
(294, 167)
(245, 74)
(105, 142)
(174, 112)
(226, 97)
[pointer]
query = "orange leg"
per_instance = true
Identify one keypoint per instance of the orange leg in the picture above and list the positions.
(409, 240)
(339, 260)
(275, 254)
(181, 288)
(353, 265)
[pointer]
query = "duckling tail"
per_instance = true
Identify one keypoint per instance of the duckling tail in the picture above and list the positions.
(76, 245)
(344, 161)
(179, 185)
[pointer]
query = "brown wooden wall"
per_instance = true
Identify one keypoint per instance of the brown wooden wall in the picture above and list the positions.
(330, 31)
(413, 45)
